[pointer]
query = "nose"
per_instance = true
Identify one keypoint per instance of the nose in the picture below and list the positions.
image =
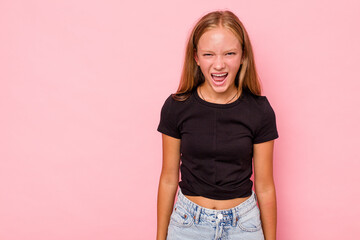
(219, 63)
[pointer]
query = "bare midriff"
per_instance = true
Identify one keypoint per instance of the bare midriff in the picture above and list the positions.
(216, 204)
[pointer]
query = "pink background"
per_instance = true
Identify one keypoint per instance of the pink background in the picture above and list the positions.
(82, 84)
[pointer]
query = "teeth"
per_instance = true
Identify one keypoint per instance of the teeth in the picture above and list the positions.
(219, 75)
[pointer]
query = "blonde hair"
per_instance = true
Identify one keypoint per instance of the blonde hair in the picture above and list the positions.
(192, 76)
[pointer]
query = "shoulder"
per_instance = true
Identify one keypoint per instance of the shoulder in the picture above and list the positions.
(174, 101)
(259, 102)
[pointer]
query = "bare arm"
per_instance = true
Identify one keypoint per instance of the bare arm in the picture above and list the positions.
(168, 184)
(265, 187)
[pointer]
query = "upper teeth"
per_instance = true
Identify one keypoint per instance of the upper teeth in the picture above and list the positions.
(219, 75)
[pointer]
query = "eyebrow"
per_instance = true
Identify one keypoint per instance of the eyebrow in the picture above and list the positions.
(230, 50)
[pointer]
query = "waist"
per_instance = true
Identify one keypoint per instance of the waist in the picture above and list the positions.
(228, 214)
(216, 204)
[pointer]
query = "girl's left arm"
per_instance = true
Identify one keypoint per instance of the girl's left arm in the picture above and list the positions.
(265, 187)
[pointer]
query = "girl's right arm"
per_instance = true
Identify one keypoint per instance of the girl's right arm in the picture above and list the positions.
(168, 183)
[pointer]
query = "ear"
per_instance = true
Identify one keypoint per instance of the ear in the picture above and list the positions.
(196, 58)
(242, 57)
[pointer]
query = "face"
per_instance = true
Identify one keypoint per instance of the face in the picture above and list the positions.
(219, 57)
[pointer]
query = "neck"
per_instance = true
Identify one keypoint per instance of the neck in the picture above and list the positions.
(230, 95)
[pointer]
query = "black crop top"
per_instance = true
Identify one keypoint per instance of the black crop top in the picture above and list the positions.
(217, 142)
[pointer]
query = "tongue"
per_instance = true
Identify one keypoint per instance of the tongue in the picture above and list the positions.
(219, 78)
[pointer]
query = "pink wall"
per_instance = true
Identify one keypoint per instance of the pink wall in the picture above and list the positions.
(82, 84)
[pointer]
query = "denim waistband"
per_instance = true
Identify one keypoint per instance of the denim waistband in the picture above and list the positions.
(223, 215)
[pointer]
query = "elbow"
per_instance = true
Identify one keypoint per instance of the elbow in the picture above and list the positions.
(169, 179)
(265, 187)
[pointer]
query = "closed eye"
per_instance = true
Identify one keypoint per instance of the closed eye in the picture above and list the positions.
(230, 53)
(207, 54)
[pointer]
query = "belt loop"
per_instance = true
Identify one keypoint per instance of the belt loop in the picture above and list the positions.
(233, 217)
(197, 217)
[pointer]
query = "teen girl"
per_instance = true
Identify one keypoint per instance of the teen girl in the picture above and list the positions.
(215, 125)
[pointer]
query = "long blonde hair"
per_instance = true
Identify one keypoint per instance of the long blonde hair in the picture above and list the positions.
(192, 76)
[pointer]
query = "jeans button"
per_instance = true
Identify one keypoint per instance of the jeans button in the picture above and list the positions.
(220, 216)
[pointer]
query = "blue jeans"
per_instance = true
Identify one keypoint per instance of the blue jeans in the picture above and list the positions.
(191, 221)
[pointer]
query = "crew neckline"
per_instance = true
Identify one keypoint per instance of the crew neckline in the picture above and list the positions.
(219, 105)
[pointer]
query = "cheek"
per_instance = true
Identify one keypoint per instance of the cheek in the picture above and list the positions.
(204, 66)
(234, 65)
(205, 62)
(202, 69)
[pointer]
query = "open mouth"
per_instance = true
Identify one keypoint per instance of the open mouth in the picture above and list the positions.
(219, 78)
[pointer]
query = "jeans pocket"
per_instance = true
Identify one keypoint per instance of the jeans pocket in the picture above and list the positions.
(251, 221)
(181, 217)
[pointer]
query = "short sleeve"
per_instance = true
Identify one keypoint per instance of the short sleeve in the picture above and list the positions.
(267, 129)
(168, 120)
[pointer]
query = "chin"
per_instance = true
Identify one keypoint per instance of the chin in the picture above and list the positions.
(220, 89)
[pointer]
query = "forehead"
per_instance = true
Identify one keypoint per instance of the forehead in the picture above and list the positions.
(218, 38)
